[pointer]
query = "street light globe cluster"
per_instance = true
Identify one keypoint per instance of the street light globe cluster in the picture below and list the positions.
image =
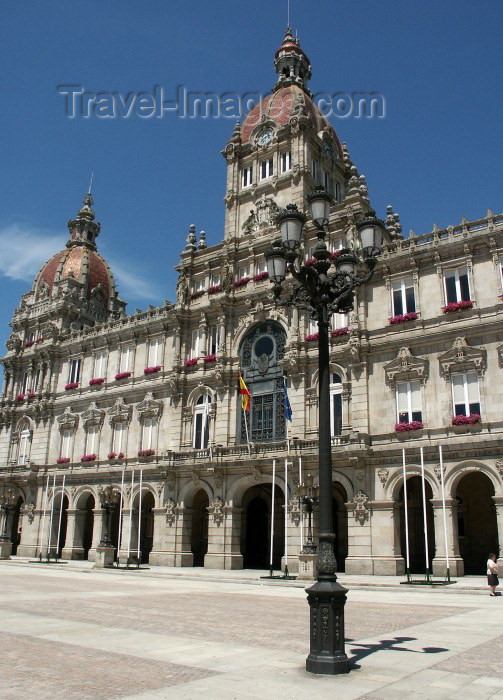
(324, 286)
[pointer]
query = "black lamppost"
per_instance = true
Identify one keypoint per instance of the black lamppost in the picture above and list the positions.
(324, 287)
(8, 500)
(109, 498)
(308, 495)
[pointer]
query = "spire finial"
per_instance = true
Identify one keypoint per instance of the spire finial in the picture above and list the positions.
(91, 183)
(288, 13)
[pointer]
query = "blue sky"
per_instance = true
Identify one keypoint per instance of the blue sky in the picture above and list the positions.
(435, 156)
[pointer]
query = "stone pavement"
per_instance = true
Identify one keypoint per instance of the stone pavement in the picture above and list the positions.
(68, 631)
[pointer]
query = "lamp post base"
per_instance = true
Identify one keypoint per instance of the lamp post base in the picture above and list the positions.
(5, 548)
(104, 556)
(327, 599)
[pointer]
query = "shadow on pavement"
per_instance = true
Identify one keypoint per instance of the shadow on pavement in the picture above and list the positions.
(384, 644)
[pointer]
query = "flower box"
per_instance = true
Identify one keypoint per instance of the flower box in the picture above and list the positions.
(209, 358)
(241, 282)
(146, 453)
(454, 306)
(152, 370)
(408, 427)
(96, 381)
(196, 295)
(403, 318)
(62, 460)
(192, 362)
(114, 455)
(29, 343)
(214, 289)
(310, 262)
(261, 276)
(312, 337)
(466, 420)
(339, 331)
(88, 458)
(31, 395)
(122, 375)
(20, 397)
(71, 385)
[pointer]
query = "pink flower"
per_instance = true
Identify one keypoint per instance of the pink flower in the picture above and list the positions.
(310, 262)
(196, 295)
(312, 337)
(88, 458)
(96, 381)
(457, 306)
(406, 427)
(192, 362)
(261, 276)
(29, 343)
(20, 397)
(241, 282)
(146, 453)
(31, 395)
(214, 289)
(122, 375)
(152, 370)
(339, 331)
(210, 358)
(466, 420)
(71, 385)
(403, 318)
(112, 455)
(62, 460)
(335, 254)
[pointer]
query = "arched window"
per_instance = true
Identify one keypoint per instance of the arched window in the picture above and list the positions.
(202, 422)
(336, 404)
(24, 442)
(261, 352)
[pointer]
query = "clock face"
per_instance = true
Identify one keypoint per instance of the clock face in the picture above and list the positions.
(327, 150)
(265, 137)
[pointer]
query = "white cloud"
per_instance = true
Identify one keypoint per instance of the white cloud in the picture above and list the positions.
(23, 251)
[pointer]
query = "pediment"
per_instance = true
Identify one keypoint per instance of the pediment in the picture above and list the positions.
(406, 367)
(462, 358)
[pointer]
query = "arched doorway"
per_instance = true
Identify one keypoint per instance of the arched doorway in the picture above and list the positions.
(256, 527)
(147, 526)
(88, 525)
(199, 539)
(16, 526)
(417, 549)
(477, 523)
(340, 522)
(63, 518)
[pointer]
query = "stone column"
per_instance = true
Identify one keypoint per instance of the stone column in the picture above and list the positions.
(182, 551)
(233, 559)
(129, 524)
(456, 564)
(387, 559)
(72, 549)
(498, 500)
(159, 553)
(359, 559)
(99, 524)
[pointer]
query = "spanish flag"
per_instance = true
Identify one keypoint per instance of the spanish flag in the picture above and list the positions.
(245, 395)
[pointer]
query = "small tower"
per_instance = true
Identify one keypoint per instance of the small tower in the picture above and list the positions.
(291, 64)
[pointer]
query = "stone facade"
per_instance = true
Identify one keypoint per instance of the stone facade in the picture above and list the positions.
(95, 397)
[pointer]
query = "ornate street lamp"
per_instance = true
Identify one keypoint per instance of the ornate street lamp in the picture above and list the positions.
(308, 495)
(109, 498)
(8, 499)
(324, 287)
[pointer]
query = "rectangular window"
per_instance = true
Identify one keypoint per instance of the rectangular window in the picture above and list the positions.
(24, 383)
(119, 437)
(243, 272)
(155, 352)
(126, 359)
(328, 182)
(74, 371)
(199, 284)
(147, 434)
(457, 287)
(24, 447)
(91, 440)
(100, 360)
(338, 244)
(262, 418)
(247, 176)
(214, 340)
(215, 279)
(286, 161)
(260, 266)
(266, 168)
(336, 414)
(66, 444)
(408, 402)
(196, 345)
(465, 394)
(339, 321)
(36, 380)
(201, 429)
(338, 192)
(314, 169)
(403, 297)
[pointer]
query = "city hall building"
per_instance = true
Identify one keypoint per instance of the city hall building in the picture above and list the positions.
(148, 402)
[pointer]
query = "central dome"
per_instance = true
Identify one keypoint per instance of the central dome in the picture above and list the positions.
(82, 264)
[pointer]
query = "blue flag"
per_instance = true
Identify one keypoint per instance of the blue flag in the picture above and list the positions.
(288, 408)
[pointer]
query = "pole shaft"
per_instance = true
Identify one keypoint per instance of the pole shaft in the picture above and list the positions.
(406, 511)
(272, 510)
(443, 506)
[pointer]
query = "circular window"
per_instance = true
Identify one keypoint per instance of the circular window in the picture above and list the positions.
(264, 346)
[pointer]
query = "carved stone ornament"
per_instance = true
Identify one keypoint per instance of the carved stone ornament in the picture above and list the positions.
(68, 420)
(120, 412)
(149, 407)
(29, 511)
(215, 509)
(406, 367)
(159, 487)
(436, 469)
(93, 416)
(499, 466)
(499, 350)
(359, 474)
(383, 474)
(361, 509)
(256, 474)
(171, 512)
(462, 358)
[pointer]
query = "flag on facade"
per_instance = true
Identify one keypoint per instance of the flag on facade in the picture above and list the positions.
(288, 408)
(245, 394)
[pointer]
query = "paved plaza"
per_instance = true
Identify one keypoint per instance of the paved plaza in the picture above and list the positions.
(68, 631)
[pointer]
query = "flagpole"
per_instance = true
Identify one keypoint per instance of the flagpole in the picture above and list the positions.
(444, 513)
(43, 518)
(139, 517)
(406, 517)
(50, 522)
(286, 518)
(272, 515)
(247, 435)
(426, 553)
(130, 519)
(301, 509)
(119, 538)
(60, 515)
